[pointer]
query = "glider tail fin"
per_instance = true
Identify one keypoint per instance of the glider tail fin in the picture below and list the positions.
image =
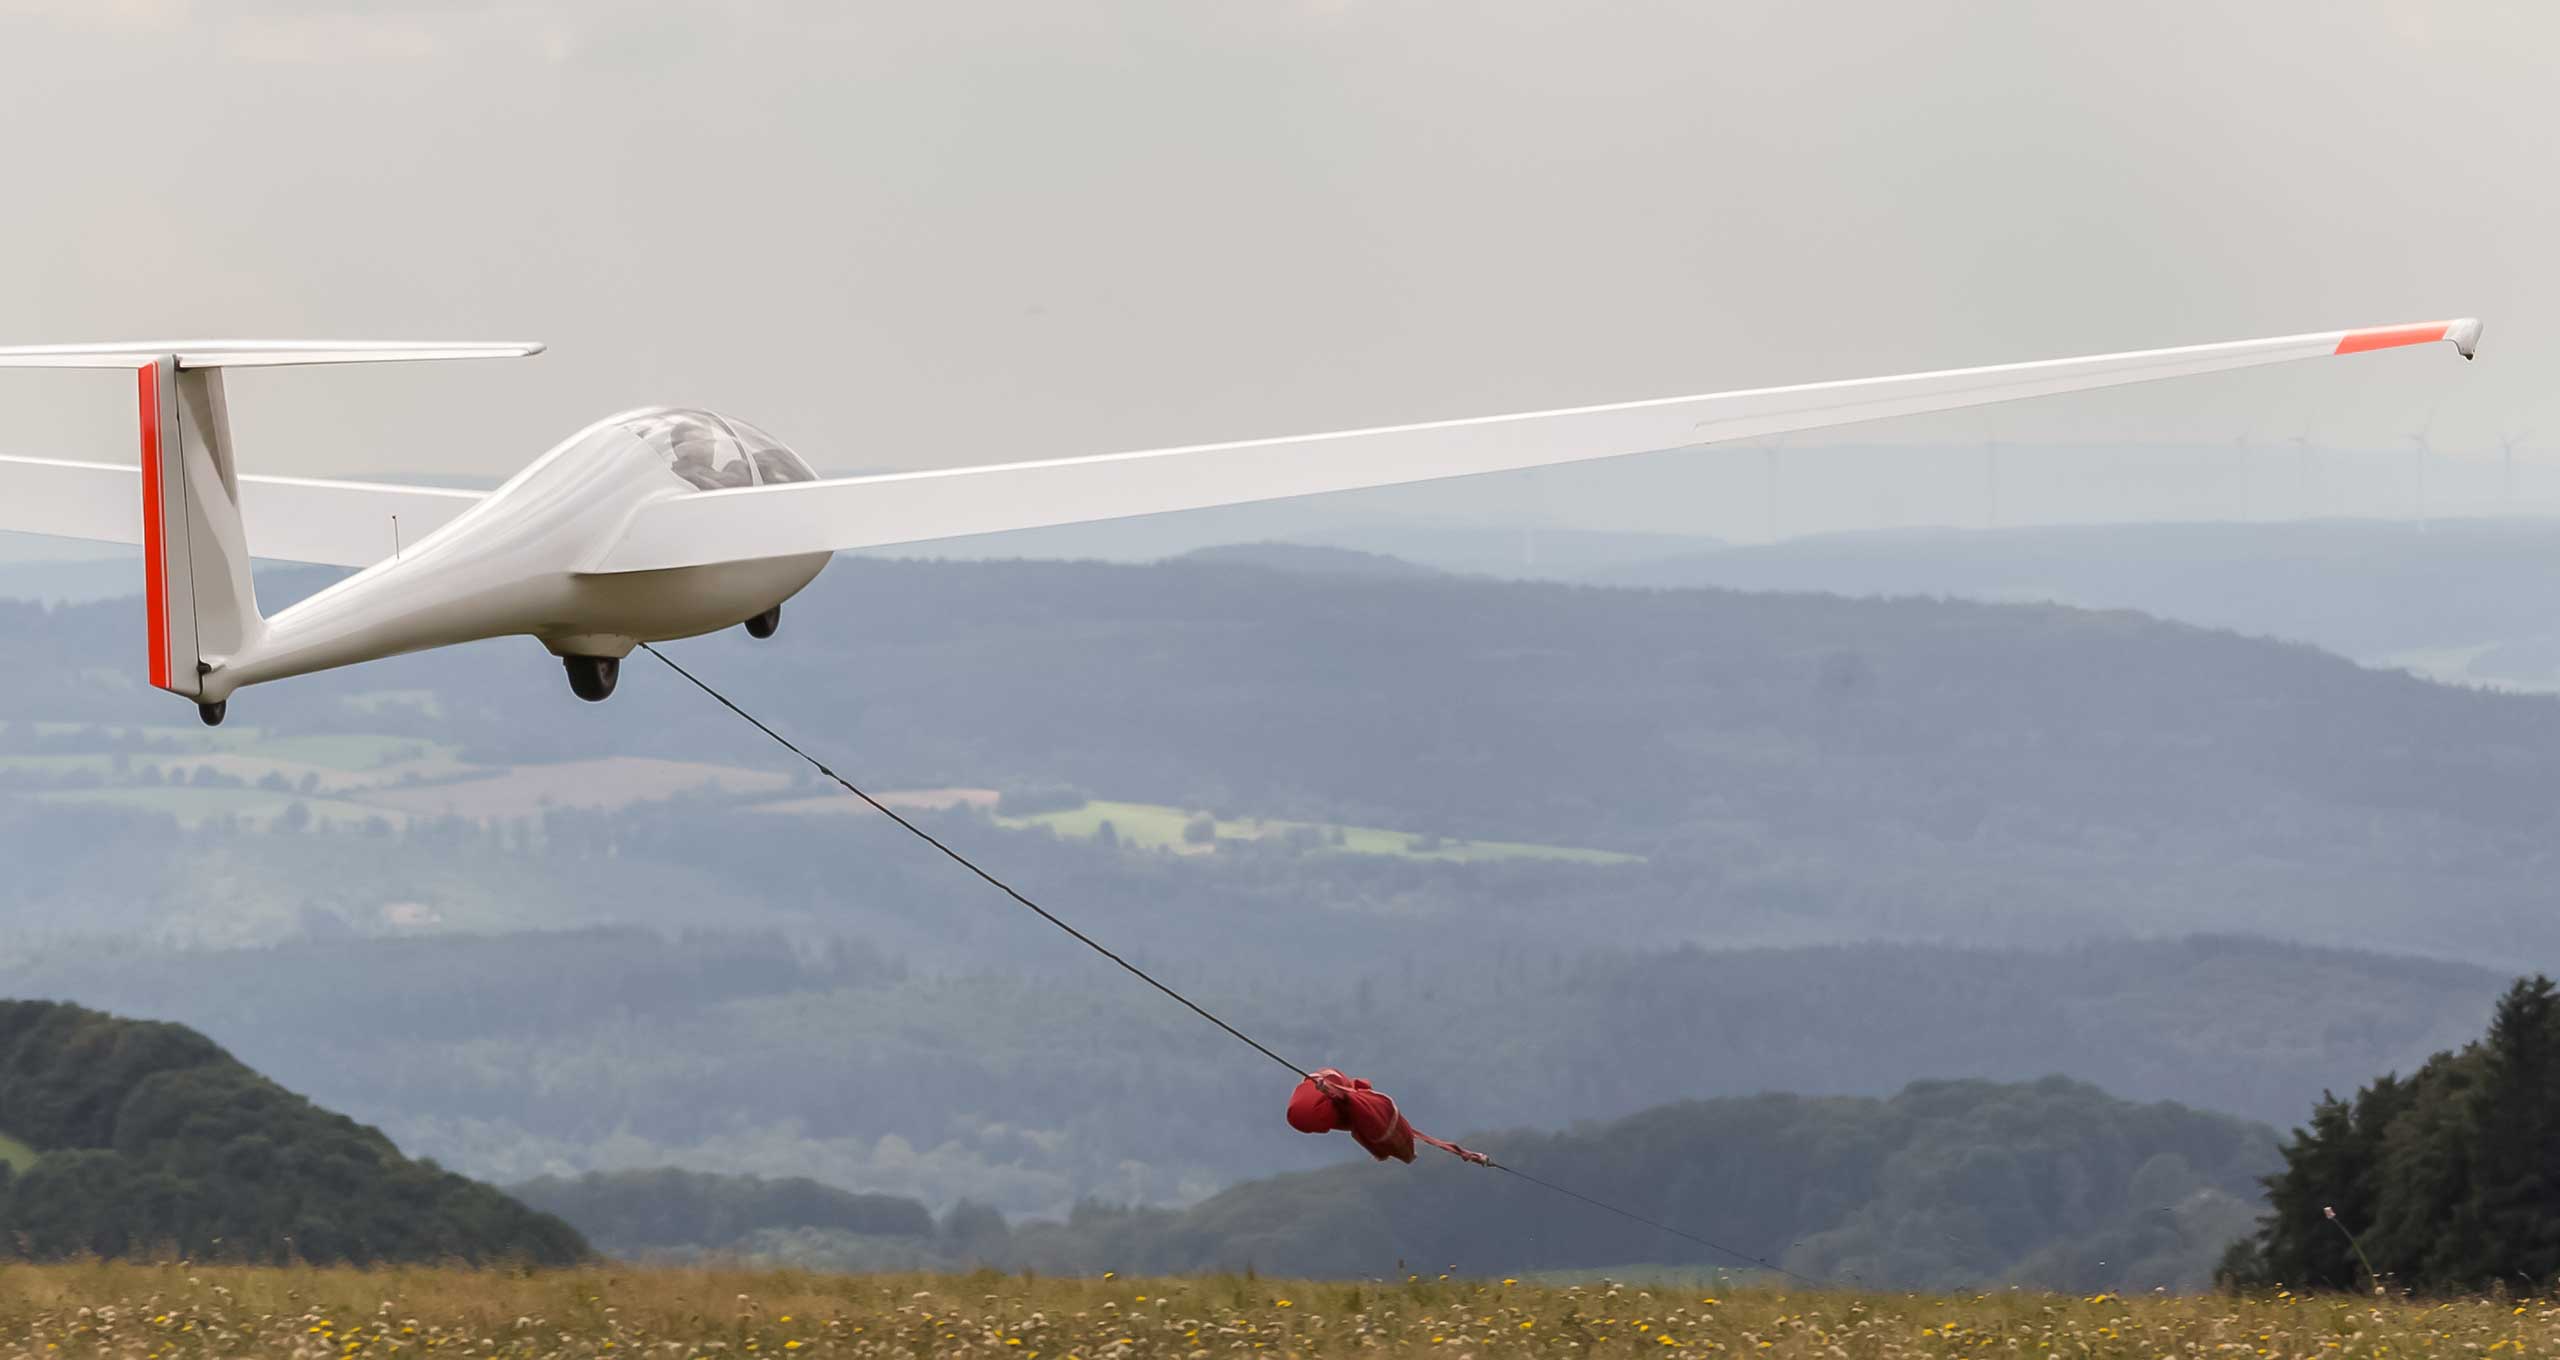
(198, 600)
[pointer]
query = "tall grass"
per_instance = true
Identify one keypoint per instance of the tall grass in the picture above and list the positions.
(137, 1310)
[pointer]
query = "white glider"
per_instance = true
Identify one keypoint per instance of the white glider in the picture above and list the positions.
(666, 523)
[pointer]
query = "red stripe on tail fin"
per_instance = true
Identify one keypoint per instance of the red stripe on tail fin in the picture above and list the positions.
(155, 555)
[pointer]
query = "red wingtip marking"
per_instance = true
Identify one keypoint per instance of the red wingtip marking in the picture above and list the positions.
(2391, 337)
(155, 586)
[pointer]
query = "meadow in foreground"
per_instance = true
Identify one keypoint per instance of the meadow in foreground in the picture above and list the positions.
(107, 1309)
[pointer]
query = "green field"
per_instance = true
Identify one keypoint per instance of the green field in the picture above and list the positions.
(337, 768)
(16, 1154)
(63, 766)
(1154, 826)
(352, 776)
(374, 701)
(195, 1309)
(329, 751)
(332, 750)
(196, 806)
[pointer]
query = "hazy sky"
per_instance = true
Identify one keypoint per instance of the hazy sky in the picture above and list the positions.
(908, 235)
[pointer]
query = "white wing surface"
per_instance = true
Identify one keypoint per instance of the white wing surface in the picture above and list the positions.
(259, 353)
(290, 519)
(862, 512)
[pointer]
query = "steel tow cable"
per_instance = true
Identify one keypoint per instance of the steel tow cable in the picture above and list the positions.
(1148, 978)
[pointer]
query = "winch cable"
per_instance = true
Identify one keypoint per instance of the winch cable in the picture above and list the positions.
(965, 862)
(1148, 978)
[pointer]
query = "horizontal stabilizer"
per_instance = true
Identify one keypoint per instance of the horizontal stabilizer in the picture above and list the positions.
(288, 519)
(257, 353)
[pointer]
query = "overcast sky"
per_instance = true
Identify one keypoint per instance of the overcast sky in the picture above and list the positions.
(922, 234)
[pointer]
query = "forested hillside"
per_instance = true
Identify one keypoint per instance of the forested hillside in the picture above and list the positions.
(140, 1136)
(1791, 768)
(666, 1213)
(1507, 848)
(2053, 1184)
(1030, 1090)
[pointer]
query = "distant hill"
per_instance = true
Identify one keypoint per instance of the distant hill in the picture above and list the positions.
(138, 1136)
(2051, 1183)
(1977, 804)
(69, 582)
(1032, 1086)
(1319, 561)
(667, 1212)
(2458, 599)
(1918, 768)
(1946, 1184)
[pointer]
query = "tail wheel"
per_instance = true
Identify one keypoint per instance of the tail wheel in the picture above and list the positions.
(762, 625)
(212, 712)
(591, 677)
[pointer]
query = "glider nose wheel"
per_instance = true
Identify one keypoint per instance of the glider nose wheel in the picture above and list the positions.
(212, 713)
(762, 625)
(591, 677)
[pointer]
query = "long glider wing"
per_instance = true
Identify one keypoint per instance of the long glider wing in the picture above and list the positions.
(287, 519)
(861, 512)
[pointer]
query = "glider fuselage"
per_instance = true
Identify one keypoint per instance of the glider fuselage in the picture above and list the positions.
(521, 560)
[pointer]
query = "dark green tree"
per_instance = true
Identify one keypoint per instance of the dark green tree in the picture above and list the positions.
(2446, 1179)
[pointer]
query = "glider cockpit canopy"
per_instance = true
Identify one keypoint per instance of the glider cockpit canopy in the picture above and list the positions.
(713, 452)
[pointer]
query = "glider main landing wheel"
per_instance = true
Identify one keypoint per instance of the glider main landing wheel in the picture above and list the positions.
(591, 677)
(212, 712)
(762, 625)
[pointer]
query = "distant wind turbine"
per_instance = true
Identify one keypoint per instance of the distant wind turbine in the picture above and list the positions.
(1769, 488)
(2419, 442)
(1536, 482)
(2507, 458)
(2303, 465)
(1990, 477)
(2240, 451)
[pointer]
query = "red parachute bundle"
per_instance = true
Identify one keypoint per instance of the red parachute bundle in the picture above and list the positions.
(1328, 1100)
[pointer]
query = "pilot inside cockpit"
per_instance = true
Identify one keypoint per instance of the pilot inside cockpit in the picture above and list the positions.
(713, 452)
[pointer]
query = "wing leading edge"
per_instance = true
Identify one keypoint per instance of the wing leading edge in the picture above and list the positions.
(863, 512)
(259, 353)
